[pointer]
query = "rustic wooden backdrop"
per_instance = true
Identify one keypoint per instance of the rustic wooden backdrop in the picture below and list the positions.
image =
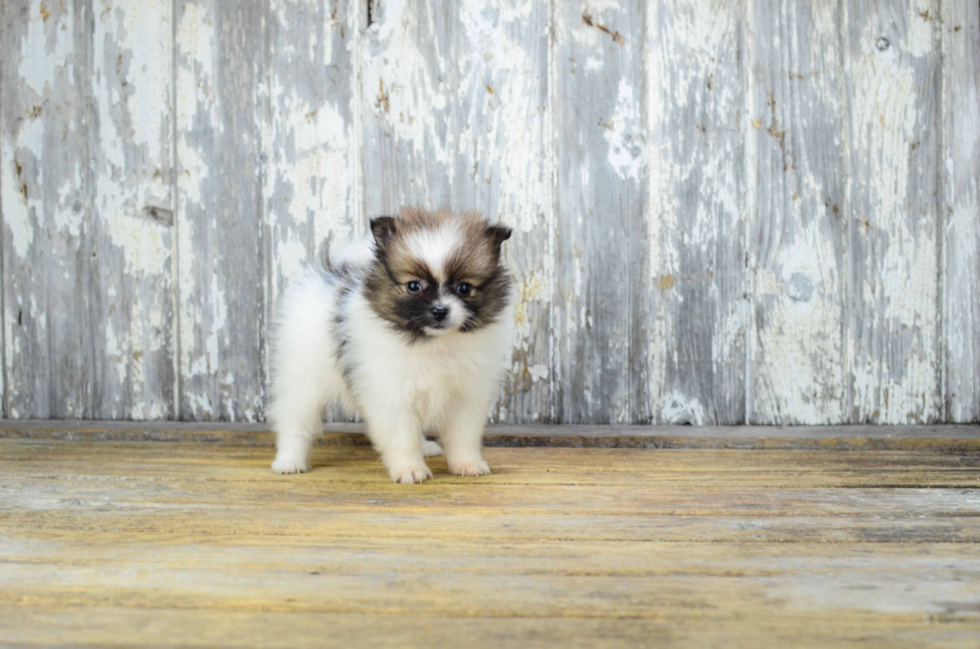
(725, 211)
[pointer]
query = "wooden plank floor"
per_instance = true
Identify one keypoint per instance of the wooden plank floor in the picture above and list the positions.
(142, 543)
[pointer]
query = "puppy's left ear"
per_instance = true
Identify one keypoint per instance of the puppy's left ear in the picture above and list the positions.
(498, 234)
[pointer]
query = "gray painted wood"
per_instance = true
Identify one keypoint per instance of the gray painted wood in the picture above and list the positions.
(894, 326)
(601, 143)
(454, 112)
(309, 151)
(87, 208)
(220, 250)
(697, 214)
(671, 171)
(797, 211)
(961, 211)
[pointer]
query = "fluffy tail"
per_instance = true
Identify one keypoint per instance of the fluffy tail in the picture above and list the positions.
(356, 252)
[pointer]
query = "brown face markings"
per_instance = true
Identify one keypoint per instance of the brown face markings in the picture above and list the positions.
(476, 261)
(472, 264)
(405, 270)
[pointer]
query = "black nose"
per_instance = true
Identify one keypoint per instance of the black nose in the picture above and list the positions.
(440, 313)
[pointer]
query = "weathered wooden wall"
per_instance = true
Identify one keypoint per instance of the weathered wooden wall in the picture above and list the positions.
(764, 211)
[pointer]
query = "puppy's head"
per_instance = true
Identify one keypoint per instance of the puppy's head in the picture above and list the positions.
(437, 272)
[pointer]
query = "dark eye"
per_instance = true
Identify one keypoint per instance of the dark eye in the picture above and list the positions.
(414, 286)
(464, 289)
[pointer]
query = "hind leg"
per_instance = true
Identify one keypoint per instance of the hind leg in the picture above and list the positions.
(297, 419)
(430, 448)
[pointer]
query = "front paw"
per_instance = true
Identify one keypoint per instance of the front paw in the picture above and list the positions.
(290, 464)
(409, 473)
(470, 467)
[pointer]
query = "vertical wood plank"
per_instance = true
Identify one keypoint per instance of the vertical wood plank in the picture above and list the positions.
(796, 239)
(894, 326)
(309, 142)
(87, 209)
(221, 265)
(3, 163)
(961, 167)
(130, 159)
(454, 112)
(600, 121)
(44, 147)
(696, 242)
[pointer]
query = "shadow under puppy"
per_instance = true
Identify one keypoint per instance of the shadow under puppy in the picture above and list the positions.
(411, 332)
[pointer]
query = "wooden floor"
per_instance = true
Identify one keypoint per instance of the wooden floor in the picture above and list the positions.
(184, 542)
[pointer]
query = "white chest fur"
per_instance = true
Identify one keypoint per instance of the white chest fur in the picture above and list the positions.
(429, 377)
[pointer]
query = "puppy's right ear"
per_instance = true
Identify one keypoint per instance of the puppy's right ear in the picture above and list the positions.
(498, 234)
(383, 229)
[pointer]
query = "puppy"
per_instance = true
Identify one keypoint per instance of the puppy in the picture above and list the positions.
(411, 333)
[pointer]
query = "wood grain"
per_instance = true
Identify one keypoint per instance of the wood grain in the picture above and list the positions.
(220, 250)
(270, 628)
(894, 322)
(695, 548)
(600, 107)
(796, 236)
(961, 165)
(87, 209)
(696, 223)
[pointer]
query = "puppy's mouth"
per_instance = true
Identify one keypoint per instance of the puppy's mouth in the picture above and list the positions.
(439, 328)
(442, 327)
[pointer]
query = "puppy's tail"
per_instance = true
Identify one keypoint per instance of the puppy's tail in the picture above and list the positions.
(357, 252)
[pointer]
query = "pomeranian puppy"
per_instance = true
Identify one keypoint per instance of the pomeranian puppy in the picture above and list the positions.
(410, 331)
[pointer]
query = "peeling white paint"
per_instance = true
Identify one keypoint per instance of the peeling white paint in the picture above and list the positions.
(678, 409)
(796, 359)
(191, 364)
(317, 177)
(538, 372)
(402, 93)
(19, 214)
(921, 17)
(66, 218)
(894, 365)
(46, 47)
(695, 198)
(465, 118)
(624, 133)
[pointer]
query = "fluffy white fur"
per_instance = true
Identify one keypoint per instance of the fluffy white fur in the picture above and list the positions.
(402, 389)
